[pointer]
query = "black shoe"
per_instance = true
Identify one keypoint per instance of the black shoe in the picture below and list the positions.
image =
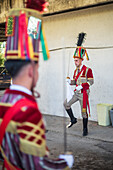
(85, 132)
(85, 124)
(72, 118)
(72, 123)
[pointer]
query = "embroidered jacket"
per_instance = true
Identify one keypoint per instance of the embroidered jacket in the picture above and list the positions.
(24, 142)
(85, 78)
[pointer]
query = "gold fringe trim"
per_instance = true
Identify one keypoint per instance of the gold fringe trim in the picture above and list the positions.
(12, 51)
(30, 133)
(16, 51)
(12, 127)
(29, 12)
(84, 110)
(5, 104)
(33, 148)
(31, 124)
(90, 78)
(16, 57)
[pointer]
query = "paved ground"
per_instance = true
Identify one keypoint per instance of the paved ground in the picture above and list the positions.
(94, 152)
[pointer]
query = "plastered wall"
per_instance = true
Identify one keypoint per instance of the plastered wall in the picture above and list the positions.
(62, 31)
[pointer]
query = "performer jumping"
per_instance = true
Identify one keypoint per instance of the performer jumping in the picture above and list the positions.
(82, 79)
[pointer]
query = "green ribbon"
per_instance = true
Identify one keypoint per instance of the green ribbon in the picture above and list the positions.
(44, 51)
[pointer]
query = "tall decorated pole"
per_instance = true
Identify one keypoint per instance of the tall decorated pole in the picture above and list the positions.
(64, 113)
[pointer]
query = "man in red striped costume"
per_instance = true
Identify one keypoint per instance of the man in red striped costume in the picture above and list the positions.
(82, 79)
(22, 137)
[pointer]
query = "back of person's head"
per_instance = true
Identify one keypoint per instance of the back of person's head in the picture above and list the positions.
(14, 66)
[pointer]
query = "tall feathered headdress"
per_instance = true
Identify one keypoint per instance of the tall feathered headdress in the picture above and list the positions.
(80, 51)
(24, 29)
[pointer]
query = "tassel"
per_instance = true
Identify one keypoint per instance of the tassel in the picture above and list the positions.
(87, 57)
(23, 37)
(30, 48)
(45, 50)
(85, 100)
(79, 53)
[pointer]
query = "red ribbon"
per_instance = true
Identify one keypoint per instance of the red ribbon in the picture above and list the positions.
(85, 98)
(23, 36)
(84, 90)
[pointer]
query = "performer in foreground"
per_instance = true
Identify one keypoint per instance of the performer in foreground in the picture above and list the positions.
(22, 129)
(82, 79)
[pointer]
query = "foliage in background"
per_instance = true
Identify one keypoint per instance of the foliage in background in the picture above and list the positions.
(2, 49)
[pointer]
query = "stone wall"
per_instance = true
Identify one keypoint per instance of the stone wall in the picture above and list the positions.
(5, 6)
(54, 5)
(61, 5)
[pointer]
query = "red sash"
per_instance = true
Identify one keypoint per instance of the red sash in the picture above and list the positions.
(84, 90)
(83, 69)
(85, 100)
(8, 116)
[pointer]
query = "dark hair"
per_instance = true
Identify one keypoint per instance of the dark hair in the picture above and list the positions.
(14, 66)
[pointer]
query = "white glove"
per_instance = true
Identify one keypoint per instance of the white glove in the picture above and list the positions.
(68, 80)
(68, 158)
(78, 88)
